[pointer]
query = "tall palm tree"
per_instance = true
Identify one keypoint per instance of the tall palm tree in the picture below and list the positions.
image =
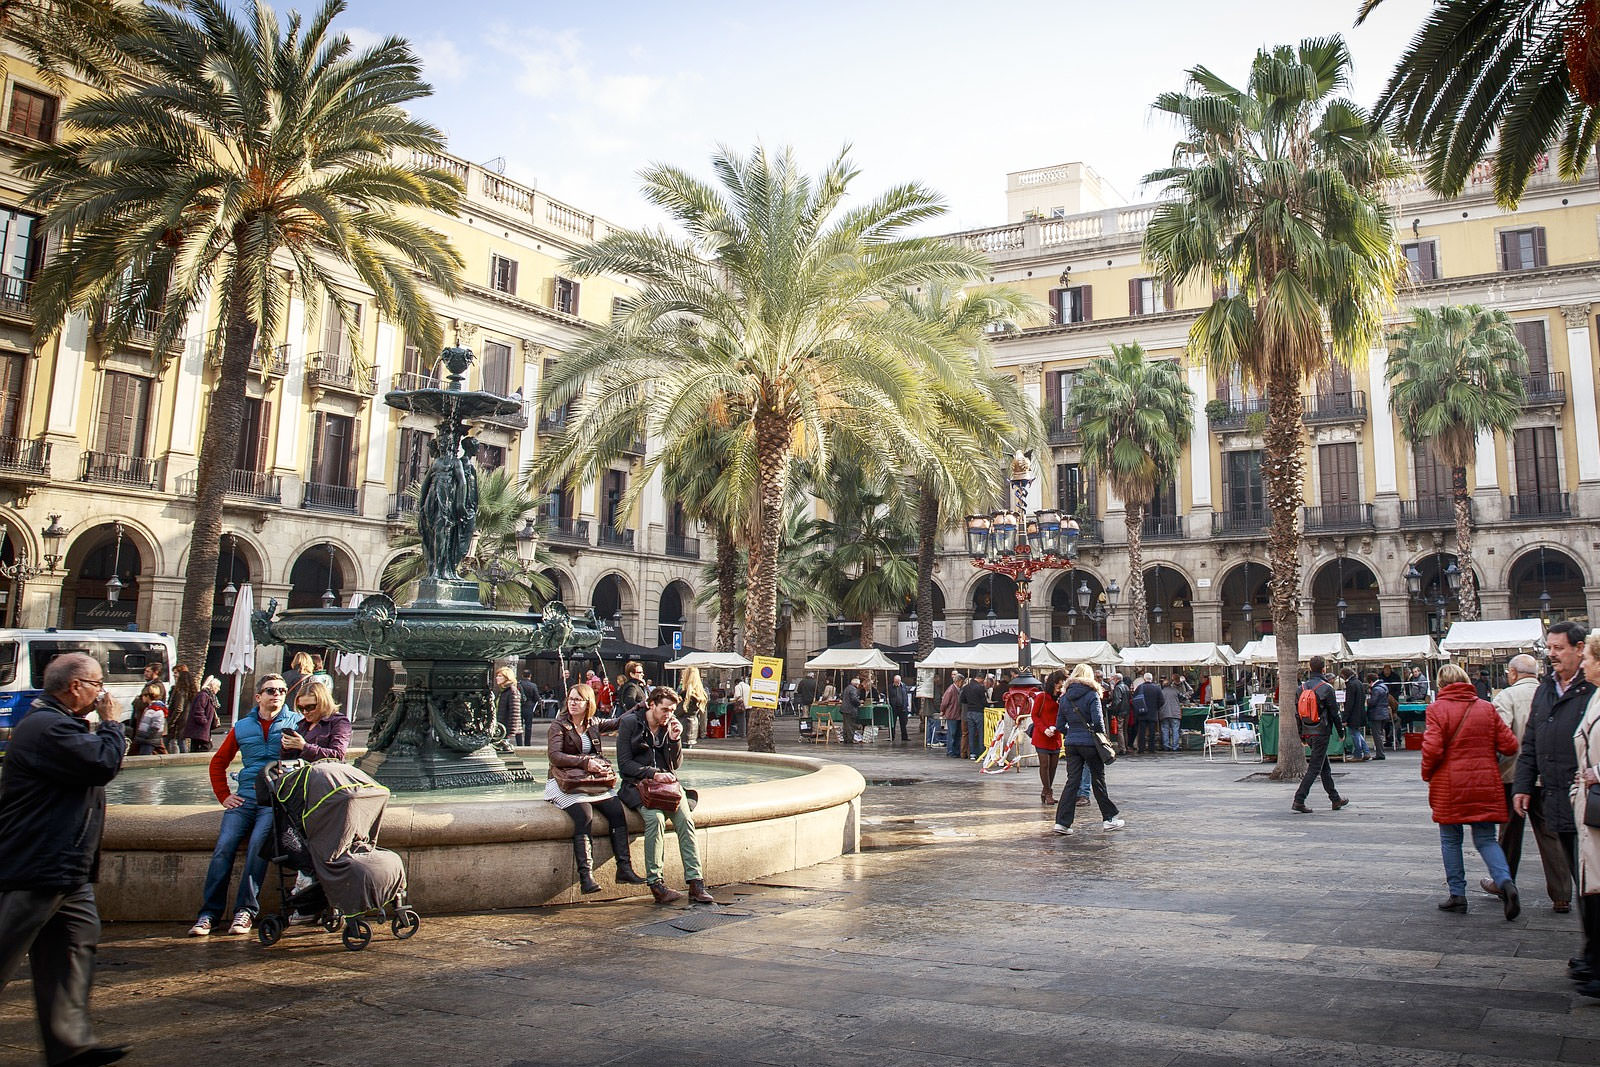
(806, 570)
(503, 506)
(1504, 79)
(1134, 415)
(1276, 193)
(250, 147)
(77, 38)
(771, 308)
(872, 533)
(1455, 374)
(980, 418)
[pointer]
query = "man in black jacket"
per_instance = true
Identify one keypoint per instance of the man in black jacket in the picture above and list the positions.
(52, 812)
(649, 746)
(1355, 711)
(899, 708)
(1147, 711)
(974, 699)
(1317, 737)
(1549, 758)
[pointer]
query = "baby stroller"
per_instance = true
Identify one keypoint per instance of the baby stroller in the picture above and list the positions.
(325, 818)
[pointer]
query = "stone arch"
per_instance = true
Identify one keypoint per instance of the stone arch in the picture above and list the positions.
(347, 558)
(1169, 600)
(1068, 620)
(1244, 582)
(1354, 581)
(615, 602)
(1544, 571)
(313, 571)
(1423, 612)
(674, 608)
(91, 556)
(566, 586)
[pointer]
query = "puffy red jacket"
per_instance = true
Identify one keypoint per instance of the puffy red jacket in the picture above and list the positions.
(1461, 766)
(1044, 714)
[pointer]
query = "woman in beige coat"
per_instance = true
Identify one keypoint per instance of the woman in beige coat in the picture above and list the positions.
(1587, 741)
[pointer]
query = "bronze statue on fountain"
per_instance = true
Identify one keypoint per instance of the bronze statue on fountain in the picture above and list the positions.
(441, 731)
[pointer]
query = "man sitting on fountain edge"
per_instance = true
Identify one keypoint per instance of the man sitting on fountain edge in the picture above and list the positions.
(648, 746)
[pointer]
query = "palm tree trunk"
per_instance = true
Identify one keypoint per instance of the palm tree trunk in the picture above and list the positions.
(773, 443)
(869, 630)
(1133, 518)
(218, 447)
(927, 549)
(1469, 581)
(1283, 477)
(727, 585)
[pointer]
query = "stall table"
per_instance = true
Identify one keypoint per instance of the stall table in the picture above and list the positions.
(1268, 730)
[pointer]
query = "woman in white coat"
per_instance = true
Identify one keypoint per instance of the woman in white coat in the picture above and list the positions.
(1587, 741)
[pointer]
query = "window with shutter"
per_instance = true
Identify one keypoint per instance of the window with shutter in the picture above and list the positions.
(497, 367)
(565, 296)
(1164, 504)
(1522, 249)
(1135, 296)
(1538, 472)
(1335, 380)
(33, 114)
(1052, 400)
(1341, 492)
(1422, 263)
(124, 415)
(333, 453)
(352, 463)
(1241, 483)
(248, 455)
(1169, 296)
(1070, 488)
(502, 274)
(1433, 477)
(1531, 334)
(12, 370)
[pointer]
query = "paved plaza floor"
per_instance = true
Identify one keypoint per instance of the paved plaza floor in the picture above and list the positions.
(1217, 928)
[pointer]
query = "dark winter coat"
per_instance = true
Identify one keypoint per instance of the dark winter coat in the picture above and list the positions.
(1355, 703)
(1078, 714)
(1327, 707)
(641, 752)
(1460, 757)
(1549, 756)
(1150, 694)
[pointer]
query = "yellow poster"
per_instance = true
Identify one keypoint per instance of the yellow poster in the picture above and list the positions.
(766, 681)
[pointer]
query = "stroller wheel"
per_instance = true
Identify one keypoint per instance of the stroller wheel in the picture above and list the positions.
(357, 934)
(269, 929)
(405, 923)
(332, 920)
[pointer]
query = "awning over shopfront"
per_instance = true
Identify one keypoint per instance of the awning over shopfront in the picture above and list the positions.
(1494, 635)
(1185, 654)
(1264, 652)
(1395, 649)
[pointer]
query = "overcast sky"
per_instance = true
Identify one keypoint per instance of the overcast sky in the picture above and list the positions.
(576, 98)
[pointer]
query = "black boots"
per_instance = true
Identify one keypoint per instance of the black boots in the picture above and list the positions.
(619, 848)
(583, 857)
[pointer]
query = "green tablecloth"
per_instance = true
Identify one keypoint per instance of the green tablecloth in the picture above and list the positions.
(1269, 739)
(1413, 715)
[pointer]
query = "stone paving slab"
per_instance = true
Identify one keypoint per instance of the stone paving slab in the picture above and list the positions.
(1218, 928)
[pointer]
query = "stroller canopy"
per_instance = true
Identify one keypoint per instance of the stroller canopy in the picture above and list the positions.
(338, 809)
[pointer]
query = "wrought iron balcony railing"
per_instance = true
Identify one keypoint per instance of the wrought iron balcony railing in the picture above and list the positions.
(1162, 528)
(1335, 407)
(22, 455)
(1332, 517)
(114, 468)
(321, 496)
(1544, 390)
(1539, 505)
(680, 545)
(1241, 523)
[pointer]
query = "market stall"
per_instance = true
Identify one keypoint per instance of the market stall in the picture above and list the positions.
(848, 659)
(1207, 656)
(1494, 635)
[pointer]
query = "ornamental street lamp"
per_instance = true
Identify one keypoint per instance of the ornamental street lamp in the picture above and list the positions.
(1018, 545)
(1095, 608)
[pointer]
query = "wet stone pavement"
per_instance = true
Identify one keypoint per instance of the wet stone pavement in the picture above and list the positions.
(1217, 928)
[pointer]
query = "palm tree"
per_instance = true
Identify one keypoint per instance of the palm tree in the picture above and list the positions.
(806, 570)
(249, 147)
(872, 534)
(503, 506)
(978, 419)
(1507, 79)
(78, 38)
(771, 309)
(1134, 415)
(1276, 194)
(1456, 374)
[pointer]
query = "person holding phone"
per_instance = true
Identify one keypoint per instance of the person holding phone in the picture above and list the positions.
(257, 739)
(649, 745)
(326, 729)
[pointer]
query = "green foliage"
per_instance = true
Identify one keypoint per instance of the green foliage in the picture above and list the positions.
(1135, 415)
(1216, 409)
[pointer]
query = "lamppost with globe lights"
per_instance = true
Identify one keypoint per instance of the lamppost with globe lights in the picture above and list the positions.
(1018, 545)
(22, 570)
(1096, 608)
(1439, 602)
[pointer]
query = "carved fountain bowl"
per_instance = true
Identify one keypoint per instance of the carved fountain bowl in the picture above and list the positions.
(452, 403)
(424, 633)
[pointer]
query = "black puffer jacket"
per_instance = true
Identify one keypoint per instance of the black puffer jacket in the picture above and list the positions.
(641, 753)
(1078, 713)
(53, 798)
(1548, 755)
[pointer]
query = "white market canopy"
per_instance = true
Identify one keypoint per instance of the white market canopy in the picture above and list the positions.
(989, 656)
(1185, 654)
(1072, 653)
(713, 660)
(851, 659)
(1264, 651)
(1395, 649)
(1494, 635)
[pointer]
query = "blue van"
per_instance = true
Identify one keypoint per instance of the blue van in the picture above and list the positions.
(123, 656)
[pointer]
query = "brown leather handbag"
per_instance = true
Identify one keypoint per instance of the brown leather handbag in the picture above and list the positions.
(662, 796)
(583, 780)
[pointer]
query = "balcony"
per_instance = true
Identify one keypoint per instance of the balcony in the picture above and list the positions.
(1162, 528)
(556, 423)
(258, 486)
(16, 298)
(335, 370)
(414, 379)
(273, 359)
(1237, 412)
(1333, 518)
(1431, 513)
(1328, 408)
(685, 547)
(319, 496)
(634, 447)
(517, 420)
(142, 333)
(565, 528)
(114, 468)
(1065, 433)
(1544, 390)
(1243, 524)
(1539, 505)
(1090, 531)
(19, 455)
(616, 536)
(401, 506)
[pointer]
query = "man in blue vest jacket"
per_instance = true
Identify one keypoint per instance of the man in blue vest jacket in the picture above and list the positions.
(258, 740)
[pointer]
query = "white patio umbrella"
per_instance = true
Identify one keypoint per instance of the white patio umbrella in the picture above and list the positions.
(352, 665)
(239, 653)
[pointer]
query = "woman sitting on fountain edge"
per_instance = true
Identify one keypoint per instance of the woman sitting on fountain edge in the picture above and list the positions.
(574, 741)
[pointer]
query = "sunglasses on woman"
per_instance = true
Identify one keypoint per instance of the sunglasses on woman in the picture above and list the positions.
(307, 707)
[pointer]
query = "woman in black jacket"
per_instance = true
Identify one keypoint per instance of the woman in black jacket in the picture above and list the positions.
(1078, 717)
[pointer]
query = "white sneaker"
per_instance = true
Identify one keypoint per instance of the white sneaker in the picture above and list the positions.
(1064, 831)
(201, 927)
(1114, 824)
(242, 921)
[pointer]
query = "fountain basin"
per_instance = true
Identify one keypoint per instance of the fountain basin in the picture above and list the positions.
(473, 855)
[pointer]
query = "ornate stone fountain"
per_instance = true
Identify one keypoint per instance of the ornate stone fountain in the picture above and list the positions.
(441, 730)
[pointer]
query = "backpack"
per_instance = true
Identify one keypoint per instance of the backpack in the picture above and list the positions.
(1306, 709)
(1136, 701)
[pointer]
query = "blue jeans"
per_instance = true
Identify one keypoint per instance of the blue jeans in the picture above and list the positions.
(248, 820)
(977, 744)
(932, 736)
(1169, 734)
(952, 738)
(1358, 738)
(1483, 839)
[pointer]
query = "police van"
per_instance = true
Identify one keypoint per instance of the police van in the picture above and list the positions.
(123, 656)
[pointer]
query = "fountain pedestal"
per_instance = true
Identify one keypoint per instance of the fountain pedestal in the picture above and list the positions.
(433, 736)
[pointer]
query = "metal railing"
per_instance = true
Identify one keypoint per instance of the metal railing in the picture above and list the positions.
(1245, 522)
(634, 447)
(514, 421)
(414, 379)
(616, 536)
(565, 528)
(320, 496)
(273, 361)
(16, 296)
(1063, 432)
(1544, 390)
(1336, 407)
(1427, 512)
(401, 505)
(114, 468)
(22, 455)
(553, 423)
(1239, 411)
(1091, 532)
(259, 486)
(335, 370)
(1539, 505)
(1338, 517)
(681, 545)
(1162, 528)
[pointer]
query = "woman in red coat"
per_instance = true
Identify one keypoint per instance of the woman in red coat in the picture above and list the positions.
(1048, 743)
(1460, 750)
